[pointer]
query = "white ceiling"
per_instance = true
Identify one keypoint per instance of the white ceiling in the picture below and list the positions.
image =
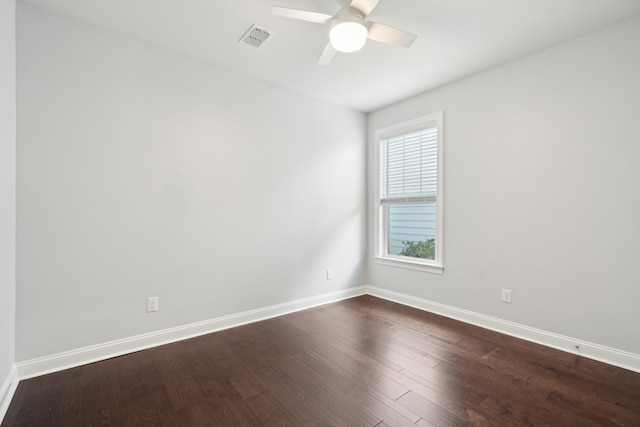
(456, 38)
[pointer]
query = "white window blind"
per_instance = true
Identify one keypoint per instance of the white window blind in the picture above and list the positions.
(409, 166)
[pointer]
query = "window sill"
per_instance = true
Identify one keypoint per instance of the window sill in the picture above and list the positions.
(410, 265)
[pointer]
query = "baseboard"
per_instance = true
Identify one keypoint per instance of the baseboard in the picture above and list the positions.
(7, 390)
(57, 362)
(587, 349)
(82, 356)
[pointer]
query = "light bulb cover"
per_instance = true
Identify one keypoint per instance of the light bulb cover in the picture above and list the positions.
(348, 32)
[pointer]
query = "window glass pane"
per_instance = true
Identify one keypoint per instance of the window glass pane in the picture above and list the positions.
(412, 229)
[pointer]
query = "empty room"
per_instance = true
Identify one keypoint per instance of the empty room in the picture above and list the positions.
(319, 213)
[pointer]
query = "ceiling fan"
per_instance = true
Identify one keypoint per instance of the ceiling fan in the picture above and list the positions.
(350, 28)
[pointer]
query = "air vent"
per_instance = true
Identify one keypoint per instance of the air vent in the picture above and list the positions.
(255, 36)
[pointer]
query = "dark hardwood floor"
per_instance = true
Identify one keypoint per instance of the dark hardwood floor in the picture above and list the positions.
(359, 362)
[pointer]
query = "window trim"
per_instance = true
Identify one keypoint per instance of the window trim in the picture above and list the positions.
(381, 233)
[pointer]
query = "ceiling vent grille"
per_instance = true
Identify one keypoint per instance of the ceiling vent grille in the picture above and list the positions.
(255, 36)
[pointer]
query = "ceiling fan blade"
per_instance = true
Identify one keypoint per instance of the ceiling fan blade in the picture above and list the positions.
(303, 15)
(327, 55)
(389, 35)
(365, 6)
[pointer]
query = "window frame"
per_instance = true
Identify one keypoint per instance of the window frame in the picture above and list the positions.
(381, 255)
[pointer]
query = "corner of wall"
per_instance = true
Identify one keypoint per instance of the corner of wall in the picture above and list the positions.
(8, 369)
(7, 390)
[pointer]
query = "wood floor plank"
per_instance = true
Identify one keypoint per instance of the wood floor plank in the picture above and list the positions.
(38, 404)
(131, 378)
(373, 368)
(101, 402)
(494, 384)
(221, 359)
(347, 367)
(424, 423)
(426, 323)
(69, 401)
(377, 386)
(322, 382)
(199, 414)
(294, 391)
(389, 411)
(154, 380)
(590, 411)
(141, 412)
(270, 412)
(359, 362)
(441, 394)
(354, 401)
(429, 411)
(180, 387)
(219, 374)
(360, 374)
(322, 331)
(234, 411)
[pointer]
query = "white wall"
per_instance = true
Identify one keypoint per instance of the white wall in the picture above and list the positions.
(7, 197)
(542, 190)
(143, 173)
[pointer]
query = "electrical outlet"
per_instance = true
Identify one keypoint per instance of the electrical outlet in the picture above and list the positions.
(152, 304)
(329, 274)
(506, 295)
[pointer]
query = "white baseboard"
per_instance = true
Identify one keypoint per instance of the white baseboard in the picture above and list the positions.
(69, 359)
(7, 390)
(57, 362)
(589, 350)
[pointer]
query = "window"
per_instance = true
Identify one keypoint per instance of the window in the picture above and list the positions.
(410, 194)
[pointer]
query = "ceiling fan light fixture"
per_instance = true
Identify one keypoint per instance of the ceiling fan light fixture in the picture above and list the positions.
(349, 29)
(348, 32)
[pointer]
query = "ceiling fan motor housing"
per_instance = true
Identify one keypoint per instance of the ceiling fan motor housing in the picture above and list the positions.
(348, 31)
